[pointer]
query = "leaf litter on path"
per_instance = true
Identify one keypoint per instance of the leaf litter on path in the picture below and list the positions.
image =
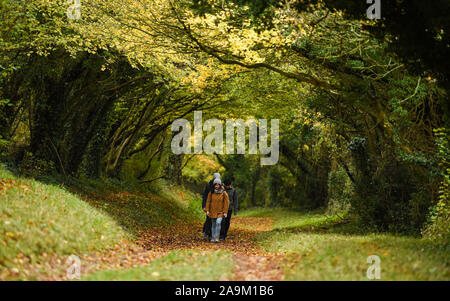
(251, 263)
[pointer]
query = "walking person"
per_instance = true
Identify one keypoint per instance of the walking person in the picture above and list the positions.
(208, 188)
(217, 204)
(233, 208)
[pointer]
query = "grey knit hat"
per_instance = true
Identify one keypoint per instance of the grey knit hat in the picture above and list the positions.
(217, 181)
(216, 175)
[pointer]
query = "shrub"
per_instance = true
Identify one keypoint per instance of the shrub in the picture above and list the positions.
(34, 167)
(392, 191)
(438, 226)
(4, 144)
(340, 191)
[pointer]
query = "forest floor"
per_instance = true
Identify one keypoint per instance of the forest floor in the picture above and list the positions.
(129, 235)
(174, 253)
(185, 255)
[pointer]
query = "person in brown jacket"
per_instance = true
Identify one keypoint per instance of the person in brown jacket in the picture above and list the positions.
(217, 205)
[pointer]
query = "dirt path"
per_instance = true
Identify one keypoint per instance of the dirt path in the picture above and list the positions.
(251, 263)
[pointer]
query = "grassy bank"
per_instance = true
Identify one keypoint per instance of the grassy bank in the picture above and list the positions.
(39, 220)
(328, 248)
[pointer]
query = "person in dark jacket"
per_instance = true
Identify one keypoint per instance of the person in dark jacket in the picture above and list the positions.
(234, 207)
(208, 188)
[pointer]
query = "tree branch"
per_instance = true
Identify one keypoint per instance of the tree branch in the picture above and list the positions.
(299, 77)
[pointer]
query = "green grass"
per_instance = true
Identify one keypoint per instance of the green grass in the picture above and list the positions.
(177, 265)
(292, 220)
(137, 208)
(319, 248)
(82, 215)
(39, 218)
